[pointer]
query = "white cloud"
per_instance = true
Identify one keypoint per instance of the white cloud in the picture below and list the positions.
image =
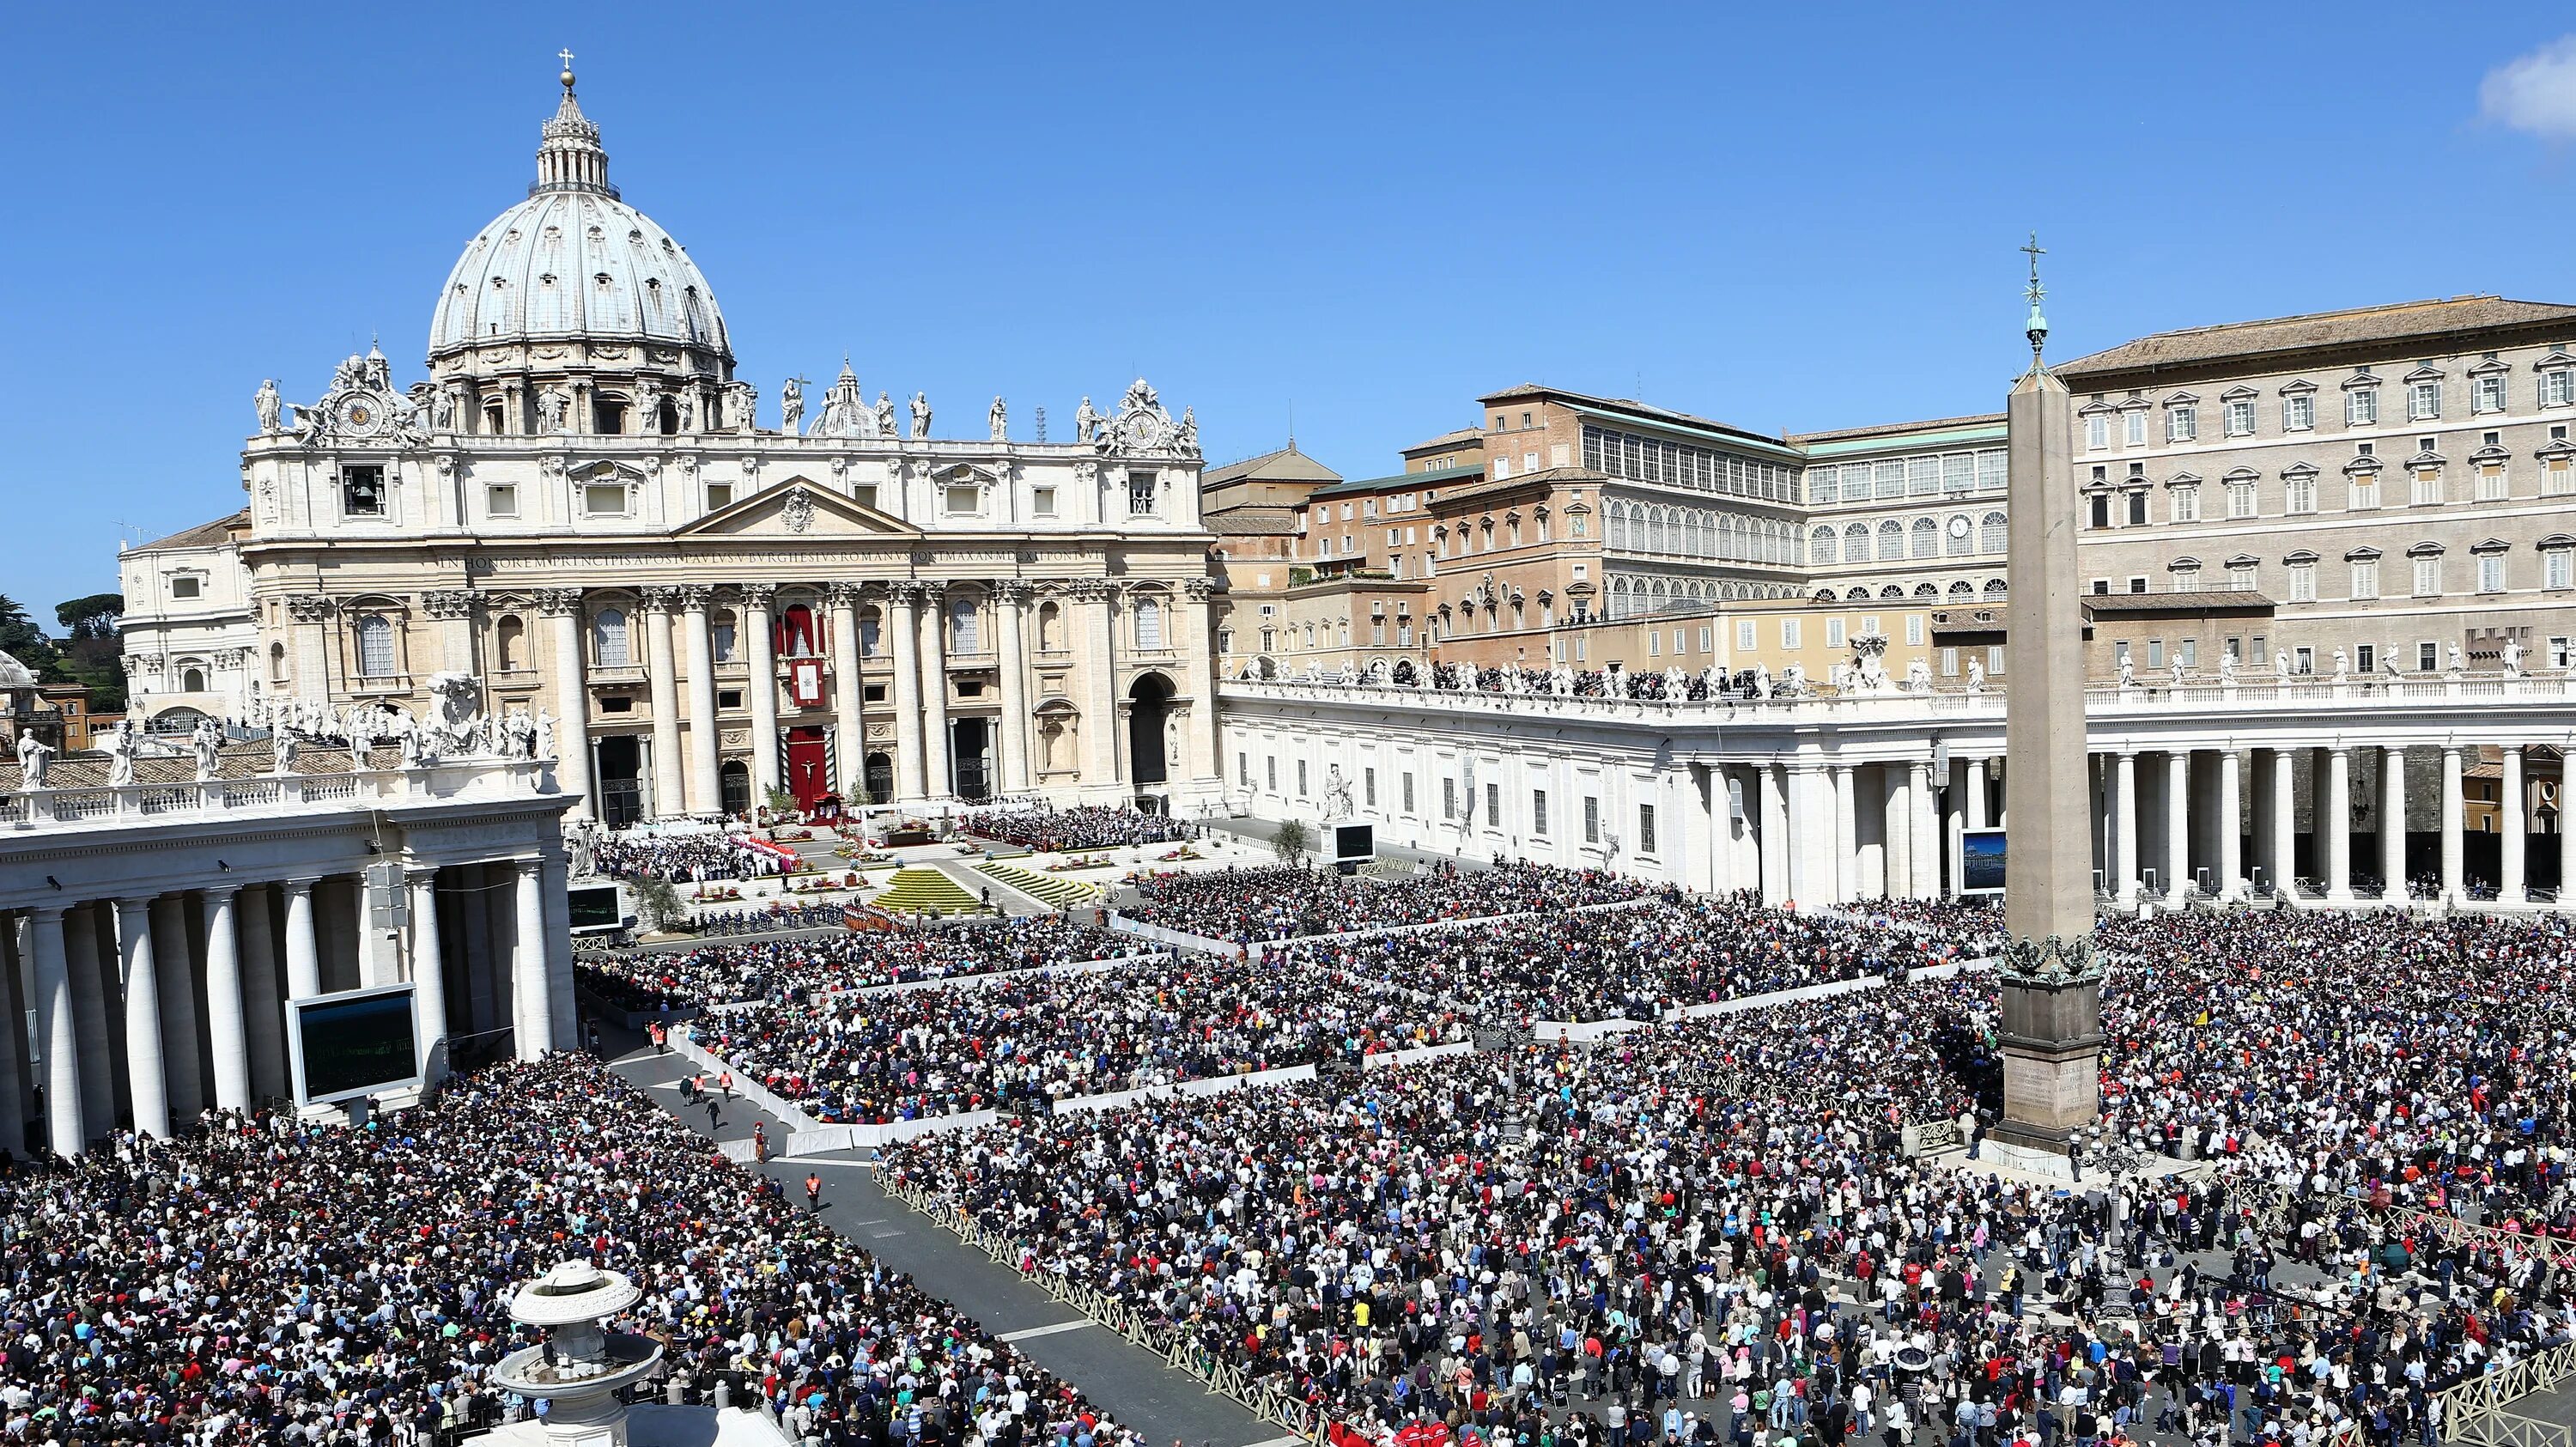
(2535, 92)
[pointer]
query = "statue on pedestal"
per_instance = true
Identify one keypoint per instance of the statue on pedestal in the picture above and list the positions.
(281, 743)
(122, 746)
(885, 416)
(545, 735)
(271, 411)
(1976, 675)
(2281, 666)
(1000, 419)
(35, 758)
(2226, 670)
(791, 404)
(206, 741)
(1086, 421)
(2512, 659)
(920, 416)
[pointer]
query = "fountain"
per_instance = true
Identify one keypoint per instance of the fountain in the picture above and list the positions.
(581, 1365)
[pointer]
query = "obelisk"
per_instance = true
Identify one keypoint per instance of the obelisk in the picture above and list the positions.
(2052, 981)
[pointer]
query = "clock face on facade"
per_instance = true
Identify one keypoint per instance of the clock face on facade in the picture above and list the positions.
(359, 415)
(1958, 527)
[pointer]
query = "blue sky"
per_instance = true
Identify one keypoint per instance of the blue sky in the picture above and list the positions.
(1796, 217)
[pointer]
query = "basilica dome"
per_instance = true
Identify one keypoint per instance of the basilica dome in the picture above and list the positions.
(574, 263)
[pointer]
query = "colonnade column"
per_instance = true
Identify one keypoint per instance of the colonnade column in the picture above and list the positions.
(1896, 831)
(761, 690)
(2338, 825)
(662, 672)
(1198, 651)
(303, 950)
(1010, 599)
(706, 786)
(2455, 883)
(15, 1082)
(1923, 850)
(1844, 877)
(1811, 831)
(66, 1124)
(1976, 797)
(176, 971)
(2177, 880)
(144, 1083)
(849, 709)
(89, 989)
(2509, 811)
(902, 626)
(1773, 841)
(263, 1018)
(529, 998)
(226, 1036)
(2124, 805)
(2285, 819)
(561, 608)
(2392, 825)
(428, 975)
(2231, 839)
(1094, 616)
(935, 777)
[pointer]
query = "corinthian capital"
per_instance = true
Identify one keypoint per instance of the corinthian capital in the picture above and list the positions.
(1011, 591)
(662, 599)
(841, 595)
(759, 596)
(695, 596)
(450, 603)
(559, 602)
(308, 607)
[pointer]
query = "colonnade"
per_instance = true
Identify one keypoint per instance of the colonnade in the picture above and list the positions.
(150, 1008)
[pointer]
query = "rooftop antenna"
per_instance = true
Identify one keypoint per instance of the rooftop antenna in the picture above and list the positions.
(2037, 327)
(1292, 424)
(1041, 420)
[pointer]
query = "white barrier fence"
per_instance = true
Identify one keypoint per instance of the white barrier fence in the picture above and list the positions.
(1581, 1031)
(1215, 1085)
(1205, 944)
(1394, 1059)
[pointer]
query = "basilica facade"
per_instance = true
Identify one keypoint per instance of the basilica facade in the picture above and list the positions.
(582, 510)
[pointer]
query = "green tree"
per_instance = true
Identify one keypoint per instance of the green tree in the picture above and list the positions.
(1294, 841)
(21, 639)
(96, 618)
(658, 906)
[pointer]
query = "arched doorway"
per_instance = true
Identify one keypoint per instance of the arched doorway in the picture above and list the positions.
(179, 721)
(880, 778)
(809, 759)
(733, 786)
(621, 779)
(970, 756)
(1149, 706)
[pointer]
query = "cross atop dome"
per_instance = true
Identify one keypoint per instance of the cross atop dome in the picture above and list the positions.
(569, 157)
(567, 68)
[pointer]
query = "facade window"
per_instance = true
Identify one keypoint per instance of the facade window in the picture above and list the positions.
(719, 496)
(1301, 778)
(1538, 811)
(609, 639)
(2134, 433)
(2138, 508)
(375, 646)
(362, 491)
(1792, 636)
(2559, 567)
(1645, 828)
(2428, 486)
(2423, 401)
(1833, 633)
(2365, 578)
(2182, 424)
(2298, 412)
(1368, 787)
(1405, 780)
(2364, 491)
(2303, 582)
(2557, 478)
(2361, 407)
(2428, 577)
(1926, 538)
(1992, 534)
(2240, 577)
(1042, 501)
(2427, 657)
(2186, 576)
(2101, 510)
(2097, 432)
(1149, 624)
(1820, 547)
(964, 633)
(2299, 494)
(184, 587)
(965, 499)
(2240, 499)
(604, 499)
(1493, 806)
(2558, 387)
(1744, 639)
(501, 500)
(2240, 417)
(1591, 819)
(2489, 396)
(2185, 503)
(1243, 769)
(2155, 653)
(1140, 492)
(1270, 772)
(2491, 572)
(2493, 483)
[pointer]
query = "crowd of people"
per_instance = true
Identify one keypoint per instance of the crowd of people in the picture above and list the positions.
(1246, 906)
(1642, 961)
(790, 969)
(1083, 827)
(683, 858)
(273, 1281)
(1025, 1041)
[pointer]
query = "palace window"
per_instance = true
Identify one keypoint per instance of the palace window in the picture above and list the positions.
(2240, 499)
(2185, 503)
(2303, 582)
(2365, 578)
(2240, 417)
(609, 639)
(2299, 494)
(2097, 432)
(2298, 412)
(2489, 396)
(2558, 387)
(185, 586)
(375, 646)
(2361, 407)
(2182, 424)
(1149, 624)
(965, 499)
(2423, 401)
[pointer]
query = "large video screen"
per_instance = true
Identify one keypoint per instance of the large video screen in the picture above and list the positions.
(594, 906)
(1354, 841)
(1981, 861)
(353, 1044)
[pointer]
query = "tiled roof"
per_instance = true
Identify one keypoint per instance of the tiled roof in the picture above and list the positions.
(1285, 465)
(87, 769)
(1252, 522)
(2199, 600)
(2430, 321)
(1445, 439)
(203, 535)
(1898, 429)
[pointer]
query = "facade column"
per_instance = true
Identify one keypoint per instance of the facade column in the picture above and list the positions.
(902, 628)
(182, 1069)
(451, 613)
(1811, 834)
(227, 1039)
(66, 1121)
(428, 975)
(143, 1058)
(849, 708)
(1923, 846)
(1092, 620)
(1845, 875)
(2177, 879)
(264, 1022)
(2392, 824)
(2124, 808)
(1198, 652)
(760, 642)
(1773, 841)
(2455, 884)
(1976, 798)
(561, 608)
(1896, 830)
(1010, 602)
(936, 779)
(2337, 825)
(2509, 811)
(303, 949)
(662, 672)
(532, 1002)
(16, 1084)
(706, 783)
(2231, 841)
(2285, 825)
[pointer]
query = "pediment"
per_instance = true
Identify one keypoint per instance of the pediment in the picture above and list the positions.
(797, 508)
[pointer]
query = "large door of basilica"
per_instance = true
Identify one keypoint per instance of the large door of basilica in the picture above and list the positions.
(809, 766)
(621, 779)
(970, 749)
